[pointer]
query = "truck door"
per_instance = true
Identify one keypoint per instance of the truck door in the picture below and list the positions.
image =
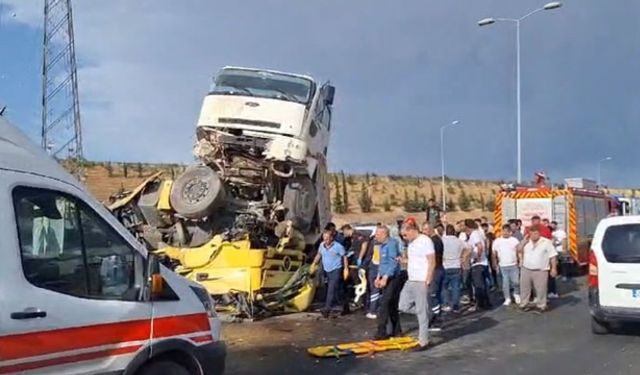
(71, 283)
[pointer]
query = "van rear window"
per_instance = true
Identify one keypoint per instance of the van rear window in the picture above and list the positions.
(621, 243)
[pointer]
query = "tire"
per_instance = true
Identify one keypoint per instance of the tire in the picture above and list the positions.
(164, 368)
(197, 192)
(598, 327)
(299, 199)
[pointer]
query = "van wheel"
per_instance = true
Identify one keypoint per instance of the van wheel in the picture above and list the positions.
(598, 327)
(163, 368)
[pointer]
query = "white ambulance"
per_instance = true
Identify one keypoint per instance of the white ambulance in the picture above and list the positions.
(78, 294)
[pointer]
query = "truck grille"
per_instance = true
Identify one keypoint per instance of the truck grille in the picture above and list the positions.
(240, 121)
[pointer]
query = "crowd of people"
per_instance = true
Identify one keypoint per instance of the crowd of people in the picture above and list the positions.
(438, 267)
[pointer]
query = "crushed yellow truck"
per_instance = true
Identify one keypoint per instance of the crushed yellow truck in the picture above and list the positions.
(242, 221)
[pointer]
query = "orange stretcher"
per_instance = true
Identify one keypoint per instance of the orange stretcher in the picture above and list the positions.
(363, 348)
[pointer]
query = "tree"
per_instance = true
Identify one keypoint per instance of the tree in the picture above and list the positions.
(386, 205)
(345, 194)
(125, 170)
(433, 193)
(139, 168)
(490, 205)
(109, 168)
(483, 203)
(173, 173)
(451, 190)
(351, 180)
(367, 178)
(338, 203)
(463, 201)
(407, 203)
(366, 204)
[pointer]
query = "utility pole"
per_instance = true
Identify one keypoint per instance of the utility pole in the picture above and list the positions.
(61, 126)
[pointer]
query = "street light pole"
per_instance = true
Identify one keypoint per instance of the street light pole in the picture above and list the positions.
(444, 196)
(608, 158)
(519, 131)
(517, 21)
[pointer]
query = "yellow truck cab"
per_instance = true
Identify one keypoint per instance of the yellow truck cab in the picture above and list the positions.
(78, 293)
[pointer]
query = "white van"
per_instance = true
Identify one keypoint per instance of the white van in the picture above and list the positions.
(78, 294)
(614, 273)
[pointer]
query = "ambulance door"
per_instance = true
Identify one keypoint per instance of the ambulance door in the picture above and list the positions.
(71, 294)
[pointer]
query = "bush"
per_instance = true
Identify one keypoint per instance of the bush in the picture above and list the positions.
(366, 204)
(139, 168)
(451, 206)
(491, 205)
(109, 168)
(386, 205)
(463, 201)
(451, 190)
(125, 170)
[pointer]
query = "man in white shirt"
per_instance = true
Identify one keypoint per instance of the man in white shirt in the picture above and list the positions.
(454, 255)
(560, 243)
(505, 256)
(479, 264)
(538, 262)
(421, 263)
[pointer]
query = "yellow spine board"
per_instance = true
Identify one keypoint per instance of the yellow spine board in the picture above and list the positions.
(364, 347)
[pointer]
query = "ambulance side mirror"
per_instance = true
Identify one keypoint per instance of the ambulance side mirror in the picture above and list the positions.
(154, 278)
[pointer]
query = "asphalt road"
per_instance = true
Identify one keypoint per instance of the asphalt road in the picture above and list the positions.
(499, 341)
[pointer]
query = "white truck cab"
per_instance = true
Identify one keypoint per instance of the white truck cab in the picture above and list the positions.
(78, 293)
(266, 134)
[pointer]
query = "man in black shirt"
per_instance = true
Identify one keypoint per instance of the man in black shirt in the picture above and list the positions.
(435, 289)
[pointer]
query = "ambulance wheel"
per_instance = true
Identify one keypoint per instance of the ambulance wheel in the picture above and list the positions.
(196, 192)
(164, 367)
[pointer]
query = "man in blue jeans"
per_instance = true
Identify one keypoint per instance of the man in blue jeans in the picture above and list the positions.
(455, 253)
(336, 267)
(505, 255)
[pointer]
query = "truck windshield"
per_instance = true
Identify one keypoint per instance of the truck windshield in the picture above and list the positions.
(621, 244)
(263, 84)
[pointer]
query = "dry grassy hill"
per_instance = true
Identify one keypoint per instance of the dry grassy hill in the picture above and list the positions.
(106, 178)
(370, 198)
(391, 196)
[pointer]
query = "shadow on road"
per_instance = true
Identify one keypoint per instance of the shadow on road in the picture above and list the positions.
(283, 360)
(464, 326)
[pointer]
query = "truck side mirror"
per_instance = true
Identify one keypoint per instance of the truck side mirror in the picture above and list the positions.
(329, 95)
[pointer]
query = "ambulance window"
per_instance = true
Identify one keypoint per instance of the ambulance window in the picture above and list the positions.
(68, 248)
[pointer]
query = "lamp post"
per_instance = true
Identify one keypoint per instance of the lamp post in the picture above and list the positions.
(444, 196)
(517, 21)
(608, 158)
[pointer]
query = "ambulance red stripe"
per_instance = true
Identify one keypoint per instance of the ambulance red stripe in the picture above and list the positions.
(68, 359)
(46, 342)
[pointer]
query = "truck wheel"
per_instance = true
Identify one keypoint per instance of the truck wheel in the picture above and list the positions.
(164, 367)
(598, 327)
(300, 201)
(196, 192)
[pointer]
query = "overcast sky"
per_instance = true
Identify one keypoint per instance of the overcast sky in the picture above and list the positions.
(402, 70)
